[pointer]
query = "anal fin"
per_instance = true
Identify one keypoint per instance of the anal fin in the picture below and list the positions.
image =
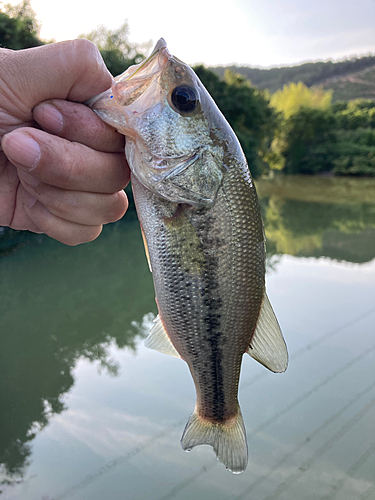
(267, 345)
(159, 341)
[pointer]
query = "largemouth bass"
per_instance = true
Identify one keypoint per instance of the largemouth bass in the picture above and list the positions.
(204, 239)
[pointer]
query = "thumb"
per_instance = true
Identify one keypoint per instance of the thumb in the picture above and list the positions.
(72, 70)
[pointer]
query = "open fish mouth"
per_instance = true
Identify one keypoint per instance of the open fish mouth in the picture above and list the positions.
(133, 70)
(131, 84)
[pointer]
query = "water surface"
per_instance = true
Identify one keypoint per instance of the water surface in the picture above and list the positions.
(87, 412)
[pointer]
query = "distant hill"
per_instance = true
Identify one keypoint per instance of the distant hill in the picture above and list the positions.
(349, 79)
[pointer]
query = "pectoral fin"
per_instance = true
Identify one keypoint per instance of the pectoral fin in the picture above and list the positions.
(158, 339)
(268, 345)
(146, 249)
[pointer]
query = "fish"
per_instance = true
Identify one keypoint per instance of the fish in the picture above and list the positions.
(204, 240)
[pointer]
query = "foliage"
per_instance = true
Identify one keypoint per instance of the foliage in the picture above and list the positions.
(303, 139)
(19, 28)
(116, 49)
(355, 152)
(355, 114)
(296, 95)
(355, 138)
(248, 112)
(363, 164)
(316, 136)
(308, 141)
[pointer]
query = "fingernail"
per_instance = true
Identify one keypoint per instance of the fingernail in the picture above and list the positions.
(21, 149)
(49, 117)
(28, 199)
(29, 179)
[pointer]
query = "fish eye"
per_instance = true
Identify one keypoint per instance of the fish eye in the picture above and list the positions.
(184, 98)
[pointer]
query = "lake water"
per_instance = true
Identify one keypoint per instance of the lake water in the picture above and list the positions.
(87, 412)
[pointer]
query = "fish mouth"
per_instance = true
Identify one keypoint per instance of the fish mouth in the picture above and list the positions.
(136, 80)
(161, 44)
(132, 71)
(132, 83)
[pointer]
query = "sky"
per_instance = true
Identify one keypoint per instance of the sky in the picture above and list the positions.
(260, 33)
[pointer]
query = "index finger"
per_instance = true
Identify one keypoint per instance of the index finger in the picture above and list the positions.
(72, 70)
(68, 165)
(76, 122)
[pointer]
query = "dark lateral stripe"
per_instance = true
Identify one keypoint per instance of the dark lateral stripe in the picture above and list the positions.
(213, 303)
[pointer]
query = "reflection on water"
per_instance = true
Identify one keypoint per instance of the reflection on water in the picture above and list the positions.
(58, 305)
(68, 312)
(319, 217)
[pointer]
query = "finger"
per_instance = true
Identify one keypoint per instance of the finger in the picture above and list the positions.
(61, 230)
(8, 190)
(20, 220)
(90, 209)
(76, 122)
(72, 70)
(65, 164)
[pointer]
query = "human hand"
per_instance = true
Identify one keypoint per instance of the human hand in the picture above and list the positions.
(67, 179)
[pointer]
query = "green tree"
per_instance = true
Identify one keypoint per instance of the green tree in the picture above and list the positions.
(359, 113)
(308, 141)
(116, 49)
(303, 141)
(355, 135)
(19, 28)
(248, 112)
(295, 96)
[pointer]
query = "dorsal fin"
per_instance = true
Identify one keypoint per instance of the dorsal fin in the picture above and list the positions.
(158, 339)
(268, 345)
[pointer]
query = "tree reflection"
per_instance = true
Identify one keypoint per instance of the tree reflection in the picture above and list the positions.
(57, 305)
(317, 217)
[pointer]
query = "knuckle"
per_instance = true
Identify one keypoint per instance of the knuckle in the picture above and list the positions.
(88, 54)
(57, 204)
(43, 218)
(69, 163)
(83, 45)
(55, 200)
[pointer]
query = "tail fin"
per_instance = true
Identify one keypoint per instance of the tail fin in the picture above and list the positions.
(227, 439)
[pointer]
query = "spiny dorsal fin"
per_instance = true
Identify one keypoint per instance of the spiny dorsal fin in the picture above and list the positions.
(268, 345)
(158, 339)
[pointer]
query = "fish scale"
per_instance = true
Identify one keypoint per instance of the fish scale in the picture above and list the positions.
(223, 317)
(204, 239)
